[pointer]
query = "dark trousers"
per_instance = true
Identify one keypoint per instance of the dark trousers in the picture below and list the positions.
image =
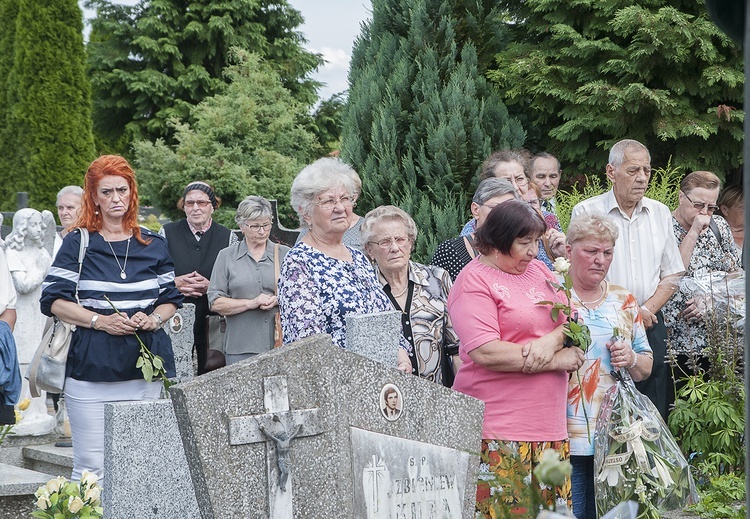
(659, 387)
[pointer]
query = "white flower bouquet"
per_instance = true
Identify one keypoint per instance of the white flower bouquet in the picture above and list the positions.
(719, 292)
(636, 457)
(63, 499)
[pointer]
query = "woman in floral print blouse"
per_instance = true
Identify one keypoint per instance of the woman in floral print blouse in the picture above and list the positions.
(323, 280)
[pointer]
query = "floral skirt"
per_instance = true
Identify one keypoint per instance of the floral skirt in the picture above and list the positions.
(506, 485)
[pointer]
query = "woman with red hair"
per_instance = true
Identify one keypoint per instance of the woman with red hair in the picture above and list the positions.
(132, 268)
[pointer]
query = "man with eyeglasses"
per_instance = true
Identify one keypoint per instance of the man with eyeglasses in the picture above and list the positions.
(646, 259)
(546, 173)
(194, 244)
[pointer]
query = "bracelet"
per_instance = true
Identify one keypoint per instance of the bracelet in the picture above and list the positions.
(94, 318)
(635, 361)
(159, 322)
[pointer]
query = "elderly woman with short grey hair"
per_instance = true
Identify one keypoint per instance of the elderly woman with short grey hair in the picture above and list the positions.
(618, 341)
(352, 237)
(419, 292)
(454, 254)
(322, 279)
(243, 283)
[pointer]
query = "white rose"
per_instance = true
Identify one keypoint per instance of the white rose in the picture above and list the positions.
(54, 485)
(88, 478)
(43, 502)
(561, 265)
(75, 504)
(92, 495)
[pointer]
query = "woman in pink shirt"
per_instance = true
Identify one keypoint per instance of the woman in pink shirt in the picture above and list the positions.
(512, 351)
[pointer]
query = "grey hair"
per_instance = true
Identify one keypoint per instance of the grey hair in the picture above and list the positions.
(253, 208)
(617, 153)
(70, 190)
(523, 157)
(544, 155)
(390, 213)
(321, 176)
(492, 187)
(592, 225)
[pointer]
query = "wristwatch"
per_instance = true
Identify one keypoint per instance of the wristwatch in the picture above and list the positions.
(94, 318)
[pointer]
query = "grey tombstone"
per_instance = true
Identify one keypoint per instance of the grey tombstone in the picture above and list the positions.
(144, 461)
(376, 336)
(180, 331)
(301, 431)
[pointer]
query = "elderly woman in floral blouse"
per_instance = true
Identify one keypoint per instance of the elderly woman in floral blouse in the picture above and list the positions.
(706, 243)
(323, 280)
(419, 291)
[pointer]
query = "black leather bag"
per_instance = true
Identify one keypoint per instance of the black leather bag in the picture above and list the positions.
(7, 412)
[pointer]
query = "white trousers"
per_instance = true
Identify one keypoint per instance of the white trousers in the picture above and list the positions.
(85, 404)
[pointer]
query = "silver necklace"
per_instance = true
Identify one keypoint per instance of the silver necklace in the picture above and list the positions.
(125, 263)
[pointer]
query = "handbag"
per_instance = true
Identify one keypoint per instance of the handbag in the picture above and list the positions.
(47, 369)
(7, 411)
(278, 334)
(216, 328)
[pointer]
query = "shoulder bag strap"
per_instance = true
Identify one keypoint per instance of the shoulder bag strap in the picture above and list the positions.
(715, 229)
(276, 269)
(81, 253)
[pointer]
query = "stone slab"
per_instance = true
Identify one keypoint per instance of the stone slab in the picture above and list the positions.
(375, 336)
(180, 330)
(144, 462)
(16, 481)
(347, 390)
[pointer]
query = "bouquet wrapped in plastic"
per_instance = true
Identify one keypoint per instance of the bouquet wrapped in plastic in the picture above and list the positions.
(719, 292)
(636, 457)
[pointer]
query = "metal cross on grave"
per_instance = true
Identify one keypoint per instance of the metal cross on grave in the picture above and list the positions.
(277, 427)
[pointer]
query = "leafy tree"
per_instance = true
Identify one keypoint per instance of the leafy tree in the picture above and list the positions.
(45, 126)
(326, 122)
(248, 140)
(421, 118)
(591, 72)
(156, 60)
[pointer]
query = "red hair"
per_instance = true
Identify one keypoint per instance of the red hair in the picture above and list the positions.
(90, 217)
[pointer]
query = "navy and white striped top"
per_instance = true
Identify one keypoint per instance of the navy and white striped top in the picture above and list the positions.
(96, 356)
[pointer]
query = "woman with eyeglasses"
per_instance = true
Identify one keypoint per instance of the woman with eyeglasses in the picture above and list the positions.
(419, 292)
(706, 243)
(243, 283)
(322, 279)
(194, 244)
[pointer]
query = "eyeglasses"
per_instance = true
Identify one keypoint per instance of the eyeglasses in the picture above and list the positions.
(701, 205)
(199, 203)
(385, 243)
(330, 203)
(259, 227)
(489, 206)
(535, 202)
(521, 180)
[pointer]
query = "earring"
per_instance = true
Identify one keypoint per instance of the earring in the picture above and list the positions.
(96, 212)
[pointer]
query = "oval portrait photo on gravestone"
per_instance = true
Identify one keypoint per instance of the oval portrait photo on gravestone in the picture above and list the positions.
(391, 402)
(175, 323)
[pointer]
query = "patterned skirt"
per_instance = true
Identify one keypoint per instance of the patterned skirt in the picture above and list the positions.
(507, 487)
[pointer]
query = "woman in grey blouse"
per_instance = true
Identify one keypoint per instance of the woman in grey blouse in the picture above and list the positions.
(243, 283)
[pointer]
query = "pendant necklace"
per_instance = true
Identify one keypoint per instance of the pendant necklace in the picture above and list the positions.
(125, 263)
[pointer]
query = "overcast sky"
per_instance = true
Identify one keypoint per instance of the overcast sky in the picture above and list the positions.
(330, 28)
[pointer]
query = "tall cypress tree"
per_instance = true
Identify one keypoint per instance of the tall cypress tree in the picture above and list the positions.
(421, 118)
(157, 60)
(47, 135)
(8, 13)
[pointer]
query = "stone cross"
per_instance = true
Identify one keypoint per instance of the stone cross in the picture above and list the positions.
(277, 427)
(373, 473)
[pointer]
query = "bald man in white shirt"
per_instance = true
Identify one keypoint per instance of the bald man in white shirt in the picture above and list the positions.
(646, 257)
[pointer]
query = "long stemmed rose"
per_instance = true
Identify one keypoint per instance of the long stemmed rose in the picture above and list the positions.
(577, 334)
(152, 366)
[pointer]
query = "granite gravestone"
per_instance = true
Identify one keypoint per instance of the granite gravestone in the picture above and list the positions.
(375, 336)
(313, 430)
(144, 463)
(180, 331)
